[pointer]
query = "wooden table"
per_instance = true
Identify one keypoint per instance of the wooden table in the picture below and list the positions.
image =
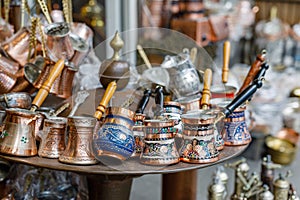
(115, 182)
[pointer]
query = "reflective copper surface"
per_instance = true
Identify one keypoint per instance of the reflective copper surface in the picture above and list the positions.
(78, 150)
(53, 137)
(17, 46)
(58, 41)
(17, 137)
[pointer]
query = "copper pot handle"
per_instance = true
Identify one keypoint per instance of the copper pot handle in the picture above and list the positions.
(206, 89)
(110, 90)
(226, 57)
(253, 71)
(45, 88)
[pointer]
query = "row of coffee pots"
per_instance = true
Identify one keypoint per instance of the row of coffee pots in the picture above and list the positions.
(114, 137)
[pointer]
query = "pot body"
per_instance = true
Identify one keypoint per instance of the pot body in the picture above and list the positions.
(160, 147)
(17, 137)
(235, 131)
(53, 138)
(199, 140)
(114, 140)
(80, 133)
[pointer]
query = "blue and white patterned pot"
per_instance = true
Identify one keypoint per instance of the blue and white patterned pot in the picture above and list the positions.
(115, 138)
(235, 131)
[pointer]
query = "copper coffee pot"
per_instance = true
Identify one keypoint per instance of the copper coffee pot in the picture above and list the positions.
(18, 135)
(81, 131)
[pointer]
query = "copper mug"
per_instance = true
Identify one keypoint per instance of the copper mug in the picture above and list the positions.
(80, 134)
(58, 41)
(114, 141)
(160, 147)
(53, 137)
(17, 137)
(17, 46)
(235, 130)
(199, 139)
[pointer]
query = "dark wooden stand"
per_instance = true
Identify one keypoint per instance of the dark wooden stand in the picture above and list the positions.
(114, 183)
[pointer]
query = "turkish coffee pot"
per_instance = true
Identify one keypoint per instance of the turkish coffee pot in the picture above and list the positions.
(138, 128)
(198, 130)
(81, 131)
(185, 80)
(18, 131)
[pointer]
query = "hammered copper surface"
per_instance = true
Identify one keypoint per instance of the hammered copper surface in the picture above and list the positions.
(17, 137)
(7, 82)
(17, 46)
(80, 134)
(53, 137)
(66, 82)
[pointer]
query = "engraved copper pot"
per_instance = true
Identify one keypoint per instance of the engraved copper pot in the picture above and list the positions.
(17, 137)
(114, 141)
(7, 82)
(84, 32)
(33, 72)
(16, 100)
(199, 141)
(58, 41)
(160, 147)
(80, 133)
(53, 137)
(8, 65)
(138, 134)
(17, 46)
(66, 81)
(235, 130)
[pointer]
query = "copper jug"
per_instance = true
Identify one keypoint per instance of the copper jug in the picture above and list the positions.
(199, 141)
(160, 147)
(114, 141)
(17, 46)
(80, 133)
(235, 130)
(58, 41)
(53, 137)
(17, 137)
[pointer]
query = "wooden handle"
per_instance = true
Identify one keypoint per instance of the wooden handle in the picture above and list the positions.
(253, 71)
(110, 90)
(226, 56)
(144, 56)
(193, 55)
(206, 89)
(45, 88)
